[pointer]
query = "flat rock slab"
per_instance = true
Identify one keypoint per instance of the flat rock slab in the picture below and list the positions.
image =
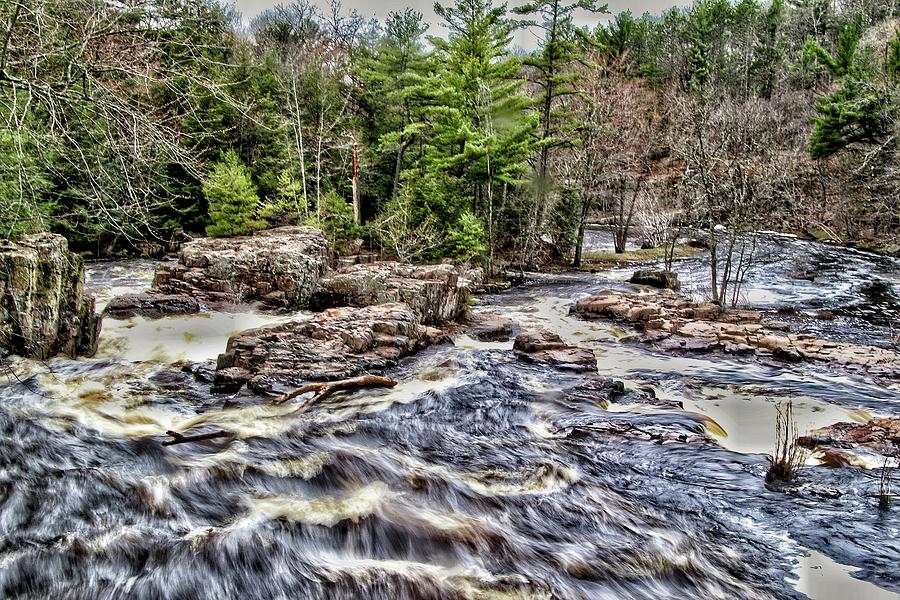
(152, 305)
(674, 323)
(879, 435)
(490, 328)
(335, 344)
(436, 293)
(280, 267)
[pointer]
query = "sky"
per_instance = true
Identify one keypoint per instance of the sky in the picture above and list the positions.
(381, 8)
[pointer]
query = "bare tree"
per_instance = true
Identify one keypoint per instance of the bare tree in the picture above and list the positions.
(727, 148)
(82, 80)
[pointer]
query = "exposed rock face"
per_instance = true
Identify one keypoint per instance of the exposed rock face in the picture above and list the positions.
(335, 344)
(658, 279)
(278, 266)
(674, 323)
(547, 348)
(151, 305)
(43, 308)
(436, 293)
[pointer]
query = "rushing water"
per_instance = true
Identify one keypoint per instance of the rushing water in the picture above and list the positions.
(479, 476)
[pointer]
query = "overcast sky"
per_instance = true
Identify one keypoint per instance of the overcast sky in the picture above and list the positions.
(381, 8)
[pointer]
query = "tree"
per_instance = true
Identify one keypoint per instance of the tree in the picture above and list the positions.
(232, 198)
(554, 73)
(476, 125)
(79, 81)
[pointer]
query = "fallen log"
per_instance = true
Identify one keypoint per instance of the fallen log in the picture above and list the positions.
(324, 389)
(180, 438)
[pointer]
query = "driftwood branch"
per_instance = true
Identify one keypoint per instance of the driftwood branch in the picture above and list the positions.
(179, 438)
(322, 390)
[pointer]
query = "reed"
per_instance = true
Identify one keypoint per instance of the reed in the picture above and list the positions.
(788, 457)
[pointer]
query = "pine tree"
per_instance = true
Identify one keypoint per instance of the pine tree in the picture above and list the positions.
(557, 78)
(232, 198)
(479, 127)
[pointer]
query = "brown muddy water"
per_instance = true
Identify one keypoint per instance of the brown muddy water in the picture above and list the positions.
(479, 476)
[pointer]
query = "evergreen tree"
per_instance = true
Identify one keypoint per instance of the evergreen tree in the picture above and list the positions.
(231, 197)
(478, 129)
(556, 78)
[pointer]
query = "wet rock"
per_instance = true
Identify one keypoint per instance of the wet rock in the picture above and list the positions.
(151, 305)
(826, 315)
(658, 279)
(44, 310)
(674, 323)
(544, 347)
(600, 390)
(280, 267)
(335, 344)
(879, 435)
(490, 328)
(436, 293)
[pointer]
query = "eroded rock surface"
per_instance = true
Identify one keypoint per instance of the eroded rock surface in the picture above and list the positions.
(278, 266)
(436, 293)
(674, 323)
(44, 310)
(334, 344)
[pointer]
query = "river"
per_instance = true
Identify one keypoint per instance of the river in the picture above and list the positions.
(479, 476)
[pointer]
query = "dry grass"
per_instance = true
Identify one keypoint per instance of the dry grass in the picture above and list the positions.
(788, 457)
(637, 256)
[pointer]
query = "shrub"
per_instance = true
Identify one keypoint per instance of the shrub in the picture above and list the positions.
(288, 206)
(232, 198)
(466, 239)
(405, 232)
(788, 457)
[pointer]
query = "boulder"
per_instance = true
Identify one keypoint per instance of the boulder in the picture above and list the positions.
(151, 305)
(44, 310)
(335, 344)
(436, 293)
(490, 328)
(665, 280)
(546, 348)
(280, 267)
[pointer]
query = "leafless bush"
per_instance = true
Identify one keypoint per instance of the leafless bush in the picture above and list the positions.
(885, 485)
(788, 457)
(404, 233)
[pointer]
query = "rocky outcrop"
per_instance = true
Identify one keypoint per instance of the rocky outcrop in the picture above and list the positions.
(674, 323)
(43, 308)
(547, 348)
(335, 344)
(666, 280)
(436, 293)
(280, 267)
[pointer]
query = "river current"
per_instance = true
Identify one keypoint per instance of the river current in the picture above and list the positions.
(479, 476)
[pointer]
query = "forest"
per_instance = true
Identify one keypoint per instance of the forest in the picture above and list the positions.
(129, 126)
